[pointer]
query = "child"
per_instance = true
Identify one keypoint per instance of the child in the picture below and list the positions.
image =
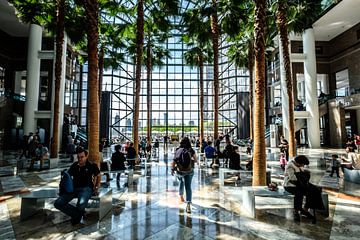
(335, 164)
(283, 161)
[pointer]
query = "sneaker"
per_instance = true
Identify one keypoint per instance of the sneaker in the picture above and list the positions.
(296, 217)
(307, 214)
(188, 208)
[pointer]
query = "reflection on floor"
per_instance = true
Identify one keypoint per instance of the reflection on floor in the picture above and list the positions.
(150, 208)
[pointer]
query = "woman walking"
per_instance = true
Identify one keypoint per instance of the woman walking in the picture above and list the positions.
(183, 165)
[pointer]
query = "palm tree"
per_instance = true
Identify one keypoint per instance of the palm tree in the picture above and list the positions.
(259, 158)
(92, 15)
(163, 8)
(197, 35)
(60, 28)
(215, 40)
(197, 56)
(156, 33)
(139, 56)
(298, 11)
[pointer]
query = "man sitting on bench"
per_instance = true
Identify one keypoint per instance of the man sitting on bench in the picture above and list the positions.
(83, 173)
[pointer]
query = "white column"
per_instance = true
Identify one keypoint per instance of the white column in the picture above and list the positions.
(62, 92)
(17, 87)
(33, 78)
(312, 107)
(284, 95)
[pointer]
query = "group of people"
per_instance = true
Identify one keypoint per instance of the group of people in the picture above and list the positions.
(230, 153)
(33, 148)
(86, 176)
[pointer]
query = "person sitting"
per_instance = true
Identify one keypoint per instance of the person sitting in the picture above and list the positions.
(148, 149)
(118, 161)
(228, 150)
(234, 160)
(41, 154)
(82, 172)
(352, 160)
(131, 155)
(203, 145)
(292, 185)
(209, 151)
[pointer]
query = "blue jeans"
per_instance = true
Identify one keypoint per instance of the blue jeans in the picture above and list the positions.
(83, 195)
(185, 180)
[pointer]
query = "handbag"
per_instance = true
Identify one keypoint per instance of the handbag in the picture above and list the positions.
(303, 178)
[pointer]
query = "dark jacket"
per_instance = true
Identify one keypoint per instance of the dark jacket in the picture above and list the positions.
(118, 160)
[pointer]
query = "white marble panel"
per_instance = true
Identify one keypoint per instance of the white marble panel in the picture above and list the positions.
(12, 184)
(346, 222)
(6, 229)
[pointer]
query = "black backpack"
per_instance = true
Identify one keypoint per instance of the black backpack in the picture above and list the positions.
(182, 159)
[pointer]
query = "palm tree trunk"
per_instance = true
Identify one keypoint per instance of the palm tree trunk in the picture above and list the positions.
(201, 69)
(215, 41)
(139, 53)
(101, 70)
(92, 13)
(251, 75)
(259, 158)
(60, 27)
(282, 28)
(148, 78)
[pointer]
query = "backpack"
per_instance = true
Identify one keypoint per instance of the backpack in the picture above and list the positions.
(182, 159)
(66, 183)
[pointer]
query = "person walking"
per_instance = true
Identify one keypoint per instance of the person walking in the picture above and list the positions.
(183, 164)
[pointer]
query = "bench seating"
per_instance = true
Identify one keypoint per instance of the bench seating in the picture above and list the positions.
(33, 202)
(224, 171)
(249, 194)
(129, 172)
(352, 175)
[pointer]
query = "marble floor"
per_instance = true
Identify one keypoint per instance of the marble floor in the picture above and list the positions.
(150, 208)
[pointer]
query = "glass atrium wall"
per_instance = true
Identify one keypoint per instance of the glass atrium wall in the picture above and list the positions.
(175, 95)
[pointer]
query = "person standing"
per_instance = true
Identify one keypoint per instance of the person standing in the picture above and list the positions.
(284, 147)
(335, 165)
(183, 164)
(118, 161)
(82, 172)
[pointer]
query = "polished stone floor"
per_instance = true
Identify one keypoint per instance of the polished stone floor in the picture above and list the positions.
(150, 208)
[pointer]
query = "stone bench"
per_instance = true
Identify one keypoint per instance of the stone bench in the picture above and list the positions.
(352, 175)
(129, 172)
(249, 194)
(33, 202)
(225, 171)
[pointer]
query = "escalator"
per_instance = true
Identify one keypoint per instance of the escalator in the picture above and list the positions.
(81, 137)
